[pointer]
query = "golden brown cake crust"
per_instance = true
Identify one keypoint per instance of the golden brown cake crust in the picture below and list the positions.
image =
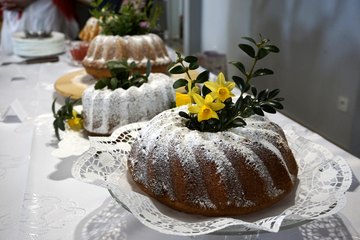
(245, 170)
(91, 30)
(139, 48)
(98, 73)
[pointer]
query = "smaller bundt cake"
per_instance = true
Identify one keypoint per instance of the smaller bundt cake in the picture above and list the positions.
(233, 172)
(104, 110)
(90, 30)
(137, 48)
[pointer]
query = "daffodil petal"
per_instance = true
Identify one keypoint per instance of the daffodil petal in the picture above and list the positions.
(208, 99)
(206, 114)
(75, 124)
(198, 99)
(220, 79)
(74, 113)
(182, 99)
(194, 109)
(195, 90)
(213, 86)
(229, 85)
(214, 115)
(216, 106)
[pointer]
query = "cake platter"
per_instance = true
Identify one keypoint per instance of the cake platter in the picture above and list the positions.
(323, 181)
(73, 83)
(38, 47)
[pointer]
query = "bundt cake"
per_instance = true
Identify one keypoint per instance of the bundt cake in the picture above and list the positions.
(90, 30)
(233, 172)
(105, 109)
(137, 48)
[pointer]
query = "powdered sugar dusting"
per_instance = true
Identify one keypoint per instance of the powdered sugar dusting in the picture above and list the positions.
(167, 131)
(105, 110)
(138, 48)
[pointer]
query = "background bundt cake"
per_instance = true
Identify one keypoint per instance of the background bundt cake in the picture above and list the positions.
(105, 109)
(90, 30)
(137, 48)
(233, 172)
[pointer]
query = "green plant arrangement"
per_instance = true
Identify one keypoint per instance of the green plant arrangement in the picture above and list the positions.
(212, 108)
(128, 20)
(123, 75)
(66, 116)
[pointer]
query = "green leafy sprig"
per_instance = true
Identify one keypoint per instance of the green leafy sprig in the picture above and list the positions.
(258, 102)
(128, 20)
(250, 102)
(184, 65)
(63, 114)
(123, 75)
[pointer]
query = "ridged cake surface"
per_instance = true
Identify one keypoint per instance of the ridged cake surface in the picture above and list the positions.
(91, 29)
(233, 172)
(104, 110)
(137, 48)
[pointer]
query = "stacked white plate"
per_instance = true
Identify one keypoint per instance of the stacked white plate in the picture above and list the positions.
(37, 47)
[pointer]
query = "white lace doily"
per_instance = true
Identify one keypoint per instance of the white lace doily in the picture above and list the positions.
(323, 181)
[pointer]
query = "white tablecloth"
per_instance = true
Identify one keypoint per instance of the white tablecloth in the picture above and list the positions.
(39, 199)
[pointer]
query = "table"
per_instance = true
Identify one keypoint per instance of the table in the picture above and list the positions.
(41, 200)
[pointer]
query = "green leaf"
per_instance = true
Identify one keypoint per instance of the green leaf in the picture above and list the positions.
(238, 104)
(249, 50)
(263, 95)
(179, 56)
(113, 83)
(177, 70)
(272, 48)
(239, 122)
(262, 53)
(190, 59)
(247, 112)
(61, 123)
(273, 93)
(246, 87)
(262, 72)
(258, 111)
(268, 108)
(184, 115)
(56, 128)
(53, 107)
(205, 90)
(100, 84)
(276, 105)
(171, 65)
(249, 39)
(254, 91)
(148, 68)
(248, 100)
(180, 83)
(240, 82)
(193, 66)
(202, 77)
(279, 99)
(239, 66)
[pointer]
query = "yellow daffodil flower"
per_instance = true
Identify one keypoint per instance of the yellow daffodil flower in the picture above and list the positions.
(185, 98)
(205, 108)
(75, 123)
(182, 99)
(220, 89)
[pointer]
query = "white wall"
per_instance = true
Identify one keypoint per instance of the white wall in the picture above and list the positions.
(174, 11)
(223, 24)
(319, 59)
